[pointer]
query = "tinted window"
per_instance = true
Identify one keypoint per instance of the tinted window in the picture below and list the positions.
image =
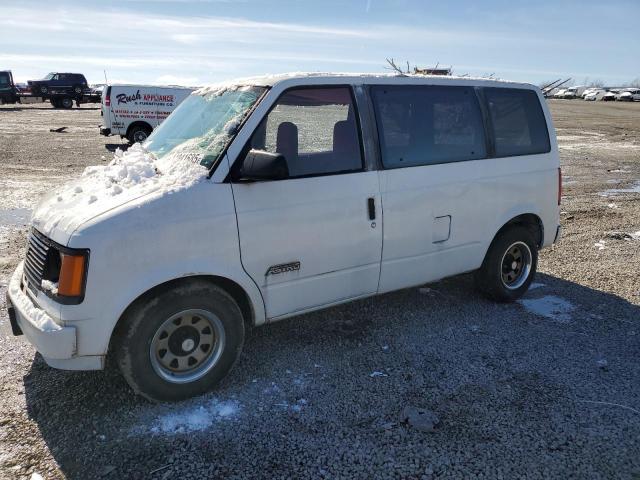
(428, 125)
(315, 129)
(519, 125)
(4, 79)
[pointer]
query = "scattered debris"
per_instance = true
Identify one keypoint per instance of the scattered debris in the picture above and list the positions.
(58, 130)
(600, 245)
(603, 364)
(107, 470)
(378, 374)
(617, 235)
(421, 419)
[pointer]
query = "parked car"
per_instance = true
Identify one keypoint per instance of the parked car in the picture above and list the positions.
(560, 93)
(595, 95)
(573, 92)
(261, 200)
(8, 91)
(629, 95)
(68, 83)
(611, 95)
(133, 111)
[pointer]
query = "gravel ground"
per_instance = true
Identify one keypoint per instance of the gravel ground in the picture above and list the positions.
(547, 387)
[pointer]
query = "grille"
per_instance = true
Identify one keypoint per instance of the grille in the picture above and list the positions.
(36, 260)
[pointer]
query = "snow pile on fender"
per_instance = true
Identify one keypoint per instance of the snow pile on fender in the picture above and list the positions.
(128, 176)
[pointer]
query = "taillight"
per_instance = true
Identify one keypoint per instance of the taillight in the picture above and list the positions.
(559, 185)
(107, 101)
(72, 275)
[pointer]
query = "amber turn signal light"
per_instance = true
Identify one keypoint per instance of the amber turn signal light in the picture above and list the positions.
(71, 280)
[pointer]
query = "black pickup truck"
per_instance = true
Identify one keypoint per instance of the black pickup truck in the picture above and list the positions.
(8, 91)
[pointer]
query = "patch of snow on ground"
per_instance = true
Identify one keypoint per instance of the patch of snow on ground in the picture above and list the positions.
(600, 245)
(549, 306)
(194, 418)
(635, 235)
(635, 188)
(612, 205)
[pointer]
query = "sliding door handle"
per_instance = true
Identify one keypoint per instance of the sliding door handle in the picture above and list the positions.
(371, 206)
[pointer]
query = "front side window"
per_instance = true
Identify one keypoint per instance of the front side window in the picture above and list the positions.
(426, 125)
(4, 79)
(519, 125)
(201, 127)
(315, 129)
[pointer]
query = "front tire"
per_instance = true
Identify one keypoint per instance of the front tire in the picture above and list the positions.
(180, 342)
(509, 265)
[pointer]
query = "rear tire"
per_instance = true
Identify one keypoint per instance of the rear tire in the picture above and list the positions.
(138, 134)
(509, 265)
(179, 342)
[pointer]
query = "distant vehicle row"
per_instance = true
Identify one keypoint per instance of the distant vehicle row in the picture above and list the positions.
(596, 93)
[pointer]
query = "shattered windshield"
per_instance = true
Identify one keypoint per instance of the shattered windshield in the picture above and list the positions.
(200, 128)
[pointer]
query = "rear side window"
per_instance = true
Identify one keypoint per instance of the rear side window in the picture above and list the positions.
(519, 125)
(426, 125)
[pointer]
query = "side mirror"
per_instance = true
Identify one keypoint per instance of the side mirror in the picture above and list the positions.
(259, 165)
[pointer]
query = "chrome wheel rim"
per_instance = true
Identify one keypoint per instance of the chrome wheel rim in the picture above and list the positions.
(187, 346)
(516, 265)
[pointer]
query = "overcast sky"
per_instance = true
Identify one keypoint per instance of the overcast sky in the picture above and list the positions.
(196, 42)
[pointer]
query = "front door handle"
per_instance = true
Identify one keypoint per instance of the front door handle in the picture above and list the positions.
(371, 206)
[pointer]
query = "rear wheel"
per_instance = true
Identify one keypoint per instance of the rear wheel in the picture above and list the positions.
(139, 133)
(55, 102)
(180, 342)
(509, 266)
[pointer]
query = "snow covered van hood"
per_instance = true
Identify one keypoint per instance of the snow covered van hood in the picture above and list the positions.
(176, 156)
(129, 176)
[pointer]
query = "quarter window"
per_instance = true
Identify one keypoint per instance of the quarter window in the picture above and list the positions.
(426, 125)
(315, 129)
(519, 125)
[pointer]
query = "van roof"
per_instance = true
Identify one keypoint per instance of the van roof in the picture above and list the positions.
(358, 78)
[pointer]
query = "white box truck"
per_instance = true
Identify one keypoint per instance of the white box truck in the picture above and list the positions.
(133, 111)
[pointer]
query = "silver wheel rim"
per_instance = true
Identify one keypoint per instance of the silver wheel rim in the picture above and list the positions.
(78, 90)
(187, 346)
(139, 136)
(515, 266)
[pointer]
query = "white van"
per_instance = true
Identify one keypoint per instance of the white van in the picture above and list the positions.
(267, 198)
(133, 111)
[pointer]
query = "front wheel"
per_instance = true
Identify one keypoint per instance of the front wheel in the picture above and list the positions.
(180, 342)
(509, 266)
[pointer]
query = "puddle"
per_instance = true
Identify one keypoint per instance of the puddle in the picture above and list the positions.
(635, 188)
(15, 216)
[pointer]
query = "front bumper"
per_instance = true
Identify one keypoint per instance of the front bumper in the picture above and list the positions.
(53, 341)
